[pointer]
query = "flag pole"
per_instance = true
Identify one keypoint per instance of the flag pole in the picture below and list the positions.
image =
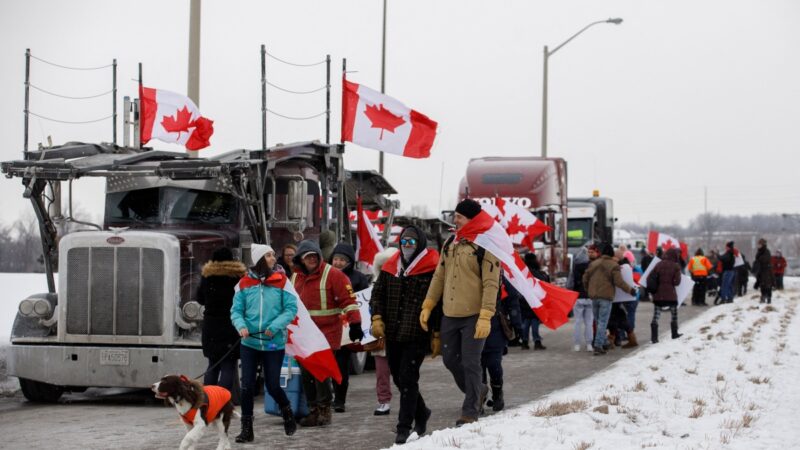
(344, 78)
(137, 115)
(263, 97)
(328, 99)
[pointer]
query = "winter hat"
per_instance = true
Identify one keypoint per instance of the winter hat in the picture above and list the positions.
(762, 241)
(341, 255)
(468, 208)
(729, 244)
(257, 251)
(606, 249)
(409, 233)
(222, 254)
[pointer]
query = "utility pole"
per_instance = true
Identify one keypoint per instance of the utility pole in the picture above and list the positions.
(383, 77)
(193, 84)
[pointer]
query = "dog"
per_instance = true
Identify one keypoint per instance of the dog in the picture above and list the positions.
(199, 406)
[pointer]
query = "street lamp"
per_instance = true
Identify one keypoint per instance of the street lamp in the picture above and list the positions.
(547, 55)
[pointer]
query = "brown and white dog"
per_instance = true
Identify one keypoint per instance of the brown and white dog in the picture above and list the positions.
(213, 403)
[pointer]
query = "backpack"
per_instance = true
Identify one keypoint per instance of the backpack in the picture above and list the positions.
(479, 252)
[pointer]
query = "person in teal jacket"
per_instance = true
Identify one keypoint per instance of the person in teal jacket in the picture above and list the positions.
(261, 312)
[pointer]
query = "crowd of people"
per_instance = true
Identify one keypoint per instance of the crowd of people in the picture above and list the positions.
(454, 302)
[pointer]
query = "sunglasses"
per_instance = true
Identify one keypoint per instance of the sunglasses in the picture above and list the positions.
(408, 242)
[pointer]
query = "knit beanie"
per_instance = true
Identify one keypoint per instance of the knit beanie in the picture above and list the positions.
(468, 208)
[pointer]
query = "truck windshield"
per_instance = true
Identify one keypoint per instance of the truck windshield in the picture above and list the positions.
(170, 205)
(579, 231)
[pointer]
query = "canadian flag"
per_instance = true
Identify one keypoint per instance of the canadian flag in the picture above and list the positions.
(173, 118)
(374, 120)
(519, 223)
(305, 341)
(552, 304)
(666, 242)
(367, 242)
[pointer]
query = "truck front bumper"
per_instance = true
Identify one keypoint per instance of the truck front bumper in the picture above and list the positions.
(137, 367)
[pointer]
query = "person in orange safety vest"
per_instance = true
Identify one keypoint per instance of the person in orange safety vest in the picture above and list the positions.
(699, 266)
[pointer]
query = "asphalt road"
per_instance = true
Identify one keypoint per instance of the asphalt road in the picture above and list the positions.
(120, 419)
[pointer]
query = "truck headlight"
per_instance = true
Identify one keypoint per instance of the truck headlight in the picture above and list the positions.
(192, 311)
(41, 308)
(26, 307)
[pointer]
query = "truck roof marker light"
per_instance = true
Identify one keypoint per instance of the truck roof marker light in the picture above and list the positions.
(596, 193)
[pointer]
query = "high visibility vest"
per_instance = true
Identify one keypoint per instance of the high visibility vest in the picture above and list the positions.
(699, 265)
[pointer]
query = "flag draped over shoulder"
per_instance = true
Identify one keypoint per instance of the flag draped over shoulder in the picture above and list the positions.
(377, 121)
(172, 118)
(550, 303)
(305, 341)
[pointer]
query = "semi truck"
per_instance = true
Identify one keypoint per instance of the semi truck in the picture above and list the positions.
(589, 219)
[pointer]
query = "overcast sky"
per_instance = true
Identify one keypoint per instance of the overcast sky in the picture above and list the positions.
(680, 96)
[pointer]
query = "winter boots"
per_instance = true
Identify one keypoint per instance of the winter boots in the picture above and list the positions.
(497, 403)
(654, 333)
(537, 345)
(289, 425)
(421, 423)
(318, 416)
(525, 345)
(631, 340)
(311, 419)
(674, 327)
(247, 430)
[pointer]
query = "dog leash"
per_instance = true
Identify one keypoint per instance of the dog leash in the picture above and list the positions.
(234, 346)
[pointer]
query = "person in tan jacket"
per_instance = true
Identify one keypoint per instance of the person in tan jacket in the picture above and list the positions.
(466, 281)
(600, 279)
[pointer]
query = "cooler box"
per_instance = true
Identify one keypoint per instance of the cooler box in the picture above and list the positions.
(292, 386)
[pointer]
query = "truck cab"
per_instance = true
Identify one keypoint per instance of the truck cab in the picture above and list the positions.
(589, 219)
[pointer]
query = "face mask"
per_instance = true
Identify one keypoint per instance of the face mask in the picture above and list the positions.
(408, 252)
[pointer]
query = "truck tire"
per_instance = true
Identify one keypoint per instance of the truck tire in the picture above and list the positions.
(358, 361)
(38, 392)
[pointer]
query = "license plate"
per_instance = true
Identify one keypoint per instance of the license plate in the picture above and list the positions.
(114, 357)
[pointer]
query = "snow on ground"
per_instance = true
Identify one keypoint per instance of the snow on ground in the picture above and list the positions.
(730, 381)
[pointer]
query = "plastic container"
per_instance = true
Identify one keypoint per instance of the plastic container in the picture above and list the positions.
(291, 383)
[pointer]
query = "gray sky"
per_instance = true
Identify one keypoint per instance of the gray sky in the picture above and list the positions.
(682, 95)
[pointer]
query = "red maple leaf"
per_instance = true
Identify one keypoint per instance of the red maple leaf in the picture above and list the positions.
(514, 226)
(666, 245)
(181, 122)
(501, 205)
(383, 118)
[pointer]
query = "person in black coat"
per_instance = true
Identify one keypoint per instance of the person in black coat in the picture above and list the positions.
(220, 339)
(530, 321)
(343, 258)
(762, 269)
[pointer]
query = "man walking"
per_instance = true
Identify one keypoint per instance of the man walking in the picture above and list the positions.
(699, 266)
(728, 274)
(600, 279)
(466, 281)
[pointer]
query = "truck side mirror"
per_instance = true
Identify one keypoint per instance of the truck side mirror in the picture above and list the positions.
(297, 202)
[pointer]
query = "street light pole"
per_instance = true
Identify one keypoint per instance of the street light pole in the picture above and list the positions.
(547, 55)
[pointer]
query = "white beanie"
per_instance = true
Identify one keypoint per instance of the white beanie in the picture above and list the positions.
(257, 251)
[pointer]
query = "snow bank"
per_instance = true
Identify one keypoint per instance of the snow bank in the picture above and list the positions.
(730, 381)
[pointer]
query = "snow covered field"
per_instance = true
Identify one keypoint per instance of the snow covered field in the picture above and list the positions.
(729, 382)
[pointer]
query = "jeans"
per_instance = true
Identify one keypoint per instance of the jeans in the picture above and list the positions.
(383, 385)
(271, 362)
(340, 390)
(405, 359)
(531, 326)
(461, 354)
(601, 309)
(223, 374)
(630, 309)
(583, 322)
(726, 292)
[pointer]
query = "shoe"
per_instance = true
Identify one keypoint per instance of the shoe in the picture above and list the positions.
(465, 420)
(289, 424)
(421, 425)
(247, 430)
(577, 348)
(537, 345)
(482, 400)
(402, 436)
(311, 419)
(525, 345)
(497, 397)
(382, 409)
(324, 415)
(631, 341)
(589, 348)
(674, 329)
(338, 408)
(654, 333)
(599, 351)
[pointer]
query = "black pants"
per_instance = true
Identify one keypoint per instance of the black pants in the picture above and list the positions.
(405, 359)
(699, 291)
(766, 295)
(271, 362)
(340, 390)
(779, 282)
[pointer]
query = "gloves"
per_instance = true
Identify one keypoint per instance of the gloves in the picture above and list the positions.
(634, 290)
(436, 345)
(378, 329)
(355, 332)
(484, 325)
(425, 314)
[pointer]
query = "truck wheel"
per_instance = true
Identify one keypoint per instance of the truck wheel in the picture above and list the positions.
(357, 363)
(38, 392)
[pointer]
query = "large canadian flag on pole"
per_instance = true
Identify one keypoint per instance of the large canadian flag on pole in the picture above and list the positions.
(551, 304)
(172, 118)
(520, 224)
(377, 121)
(368, 244)
(666, 242)
(305, 341)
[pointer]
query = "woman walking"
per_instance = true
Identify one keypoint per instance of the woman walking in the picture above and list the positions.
(762, 269)
(664, 278)
(262, 309)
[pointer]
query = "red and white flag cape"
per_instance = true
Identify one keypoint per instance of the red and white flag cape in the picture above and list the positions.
(305, 341)
(519, 223)
(377, 121)
(552, 304)
(173, 118)
(666, 242)
(368, 244)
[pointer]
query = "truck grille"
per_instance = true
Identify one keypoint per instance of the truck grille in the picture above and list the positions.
(116, 291)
